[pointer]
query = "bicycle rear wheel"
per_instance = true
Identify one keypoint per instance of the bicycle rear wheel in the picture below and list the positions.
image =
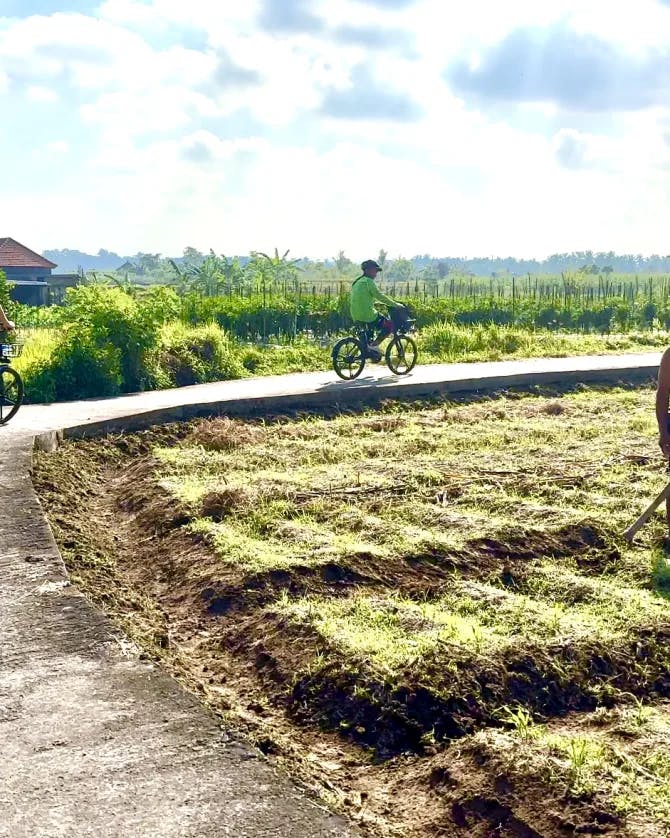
(11, 393)
(401, 355)
(348, 358)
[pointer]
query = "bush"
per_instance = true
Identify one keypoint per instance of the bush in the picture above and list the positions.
(5, 300)
(78, 369)
(194, 355)
(113, 317)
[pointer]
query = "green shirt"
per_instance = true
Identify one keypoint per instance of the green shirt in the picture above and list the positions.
(364, 292)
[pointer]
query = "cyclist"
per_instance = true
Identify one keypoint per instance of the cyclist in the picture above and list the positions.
(5, 323)
(364, 293)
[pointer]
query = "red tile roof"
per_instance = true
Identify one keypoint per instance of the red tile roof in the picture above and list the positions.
(15, 255)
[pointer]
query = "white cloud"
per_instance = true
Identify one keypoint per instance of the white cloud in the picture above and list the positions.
(168, 163)
(196, 13)
(37, 93)
(58, 147)
(68, 47)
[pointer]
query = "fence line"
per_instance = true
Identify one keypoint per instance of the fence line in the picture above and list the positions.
(566, 290)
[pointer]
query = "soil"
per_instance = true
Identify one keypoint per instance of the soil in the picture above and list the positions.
(395, 757)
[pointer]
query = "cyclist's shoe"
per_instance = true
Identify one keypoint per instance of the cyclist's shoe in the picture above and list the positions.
(374, 354)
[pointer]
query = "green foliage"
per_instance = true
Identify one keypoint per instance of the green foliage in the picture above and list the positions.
(5, 300)
(660, 572)
(520, 719)
(273, 323)
(103, 346)
(194, 355)
(38, 317)
(301, 355)
(209, 276)
(115, 318)
(79, 368)
(447, 340)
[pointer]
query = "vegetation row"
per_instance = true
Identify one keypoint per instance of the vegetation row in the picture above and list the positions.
(106, 339)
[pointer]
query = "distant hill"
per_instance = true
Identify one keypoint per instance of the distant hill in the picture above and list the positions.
(71, 261)
(155, 267)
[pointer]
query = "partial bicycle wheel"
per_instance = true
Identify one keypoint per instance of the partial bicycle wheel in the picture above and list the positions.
(11, 393)
(401, 355)
(348, 358)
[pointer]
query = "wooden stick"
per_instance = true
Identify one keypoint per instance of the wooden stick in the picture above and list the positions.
(646, 515)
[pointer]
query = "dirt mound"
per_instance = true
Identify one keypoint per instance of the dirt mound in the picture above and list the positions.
(224, 502)
(393, 717)
(574, 540)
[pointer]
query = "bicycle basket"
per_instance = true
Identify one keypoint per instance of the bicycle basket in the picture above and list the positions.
(11, 350)
(401, 318)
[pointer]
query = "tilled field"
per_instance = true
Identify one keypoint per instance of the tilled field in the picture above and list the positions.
(426, 613)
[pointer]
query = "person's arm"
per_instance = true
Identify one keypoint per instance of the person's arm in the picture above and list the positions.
(5, 322)
(663, 403)
(378, 295)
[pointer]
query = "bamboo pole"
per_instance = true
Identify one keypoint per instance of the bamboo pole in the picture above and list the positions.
(646, 515)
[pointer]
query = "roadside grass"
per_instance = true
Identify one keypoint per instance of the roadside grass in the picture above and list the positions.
(446, 341)
(187, 354)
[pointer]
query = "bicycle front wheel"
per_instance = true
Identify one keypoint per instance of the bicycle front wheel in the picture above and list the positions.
(11, 393)
(401, 355)
(348, 358)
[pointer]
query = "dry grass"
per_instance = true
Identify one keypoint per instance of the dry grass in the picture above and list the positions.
(225, 434)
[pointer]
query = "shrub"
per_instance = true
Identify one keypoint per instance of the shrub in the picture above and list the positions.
(194, 355)
(112, 317)
(78, 369)
(5, 300)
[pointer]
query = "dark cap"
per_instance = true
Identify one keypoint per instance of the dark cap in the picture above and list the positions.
(370, 263)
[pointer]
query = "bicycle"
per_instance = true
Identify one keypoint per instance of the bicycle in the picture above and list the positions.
(350, 353)
(11, 383)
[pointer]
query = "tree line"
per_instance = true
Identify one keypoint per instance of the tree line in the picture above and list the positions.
(155, 267)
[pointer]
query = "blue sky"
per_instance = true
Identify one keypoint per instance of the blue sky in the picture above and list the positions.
(417, 126)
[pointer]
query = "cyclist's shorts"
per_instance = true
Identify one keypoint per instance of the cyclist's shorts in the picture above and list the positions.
(384, 325)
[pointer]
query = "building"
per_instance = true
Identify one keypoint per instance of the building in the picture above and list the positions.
(31, 274)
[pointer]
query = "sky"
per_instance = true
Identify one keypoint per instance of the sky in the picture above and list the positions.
(521, 128)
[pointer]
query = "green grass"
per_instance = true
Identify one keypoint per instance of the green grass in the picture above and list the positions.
(620, 755)
(238, 547)
(409, 473)
(394, 633)
(452, 482)
(442, 342)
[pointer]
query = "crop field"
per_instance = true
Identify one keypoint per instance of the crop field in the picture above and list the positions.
(425, 612)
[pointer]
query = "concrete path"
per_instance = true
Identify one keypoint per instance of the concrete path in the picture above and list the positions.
(96, 742)
(313, 389)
